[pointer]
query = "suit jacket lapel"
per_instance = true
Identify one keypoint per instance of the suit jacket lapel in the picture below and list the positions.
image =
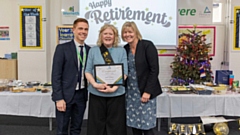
(74, 53)
(127, 48)
(138, 51)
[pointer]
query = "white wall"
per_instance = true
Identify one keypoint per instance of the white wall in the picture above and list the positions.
(7, 46)
(36, 65)
(31, 63)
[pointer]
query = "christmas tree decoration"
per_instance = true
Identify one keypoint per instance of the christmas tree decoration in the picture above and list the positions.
(202, 72)
(191, 61)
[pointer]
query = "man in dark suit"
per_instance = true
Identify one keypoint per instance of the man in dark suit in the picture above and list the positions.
(68, 81)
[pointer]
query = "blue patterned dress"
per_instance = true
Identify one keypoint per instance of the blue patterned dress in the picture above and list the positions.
(139, 115)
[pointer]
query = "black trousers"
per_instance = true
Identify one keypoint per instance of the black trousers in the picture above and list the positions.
(143, 132)
(106, 115)
(74, 115)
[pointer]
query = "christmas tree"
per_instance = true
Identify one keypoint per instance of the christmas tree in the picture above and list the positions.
(191, 62)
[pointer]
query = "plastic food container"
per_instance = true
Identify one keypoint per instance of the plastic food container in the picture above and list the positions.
(220, 90)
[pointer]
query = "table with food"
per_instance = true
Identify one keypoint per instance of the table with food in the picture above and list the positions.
(202, 89)
(18, 86)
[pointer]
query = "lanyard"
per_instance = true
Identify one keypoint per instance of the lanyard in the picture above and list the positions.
(82, 61)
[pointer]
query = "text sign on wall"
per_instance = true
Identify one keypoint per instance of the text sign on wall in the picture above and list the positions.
(30, 27)
(70, 11)
(195, 12)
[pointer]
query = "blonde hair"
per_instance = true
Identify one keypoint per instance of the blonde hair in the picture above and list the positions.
(134, 27)
(115, 32)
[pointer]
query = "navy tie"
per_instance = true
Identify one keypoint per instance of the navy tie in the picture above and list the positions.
(80, 66)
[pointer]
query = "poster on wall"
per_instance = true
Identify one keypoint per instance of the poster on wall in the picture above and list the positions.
(30, 27)
(209, 31)
(4, 33)
(64, 34)
(195, 12)
(236, 36)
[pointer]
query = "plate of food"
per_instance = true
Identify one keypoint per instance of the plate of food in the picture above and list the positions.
(181, 90)
(16, 90)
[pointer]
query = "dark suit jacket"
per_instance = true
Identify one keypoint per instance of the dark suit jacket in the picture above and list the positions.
(65, 72)
(147, 67)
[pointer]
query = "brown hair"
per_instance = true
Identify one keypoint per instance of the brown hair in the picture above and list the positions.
(79, 20)
(115, 32)
(134, 27)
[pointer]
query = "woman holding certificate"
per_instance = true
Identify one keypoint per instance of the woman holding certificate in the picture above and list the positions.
(143, 85)
(106, 62)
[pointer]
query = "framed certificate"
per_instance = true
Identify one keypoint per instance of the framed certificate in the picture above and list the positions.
(111, 74)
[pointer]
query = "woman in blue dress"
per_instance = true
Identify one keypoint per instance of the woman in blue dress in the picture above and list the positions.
(143, 85)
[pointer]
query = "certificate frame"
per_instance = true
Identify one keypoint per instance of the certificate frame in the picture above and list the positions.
(111, 74)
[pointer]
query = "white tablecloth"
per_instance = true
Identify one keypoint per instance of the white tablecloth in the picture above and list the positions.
(35, 104)
(27, 104)
(191, 105)
(168, 105)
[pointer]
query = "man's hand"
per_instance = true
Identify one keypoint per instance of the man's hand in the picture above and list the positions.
(61, 105)
(145, 97)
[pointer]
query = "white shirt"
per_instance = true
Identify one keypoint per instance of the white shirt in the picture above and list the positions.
(83, 67)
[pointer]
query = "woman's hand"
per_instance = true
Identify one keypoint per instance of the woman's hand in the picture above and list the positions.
(96, 85)
(99, 87)
(109, 89)
(145, 97)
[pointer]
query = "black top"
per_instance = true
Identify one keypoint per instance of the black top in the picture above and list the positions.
(147, 67)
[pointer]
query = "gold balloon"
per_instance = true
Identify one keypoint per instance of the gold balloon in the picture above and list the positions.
(221, 129)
